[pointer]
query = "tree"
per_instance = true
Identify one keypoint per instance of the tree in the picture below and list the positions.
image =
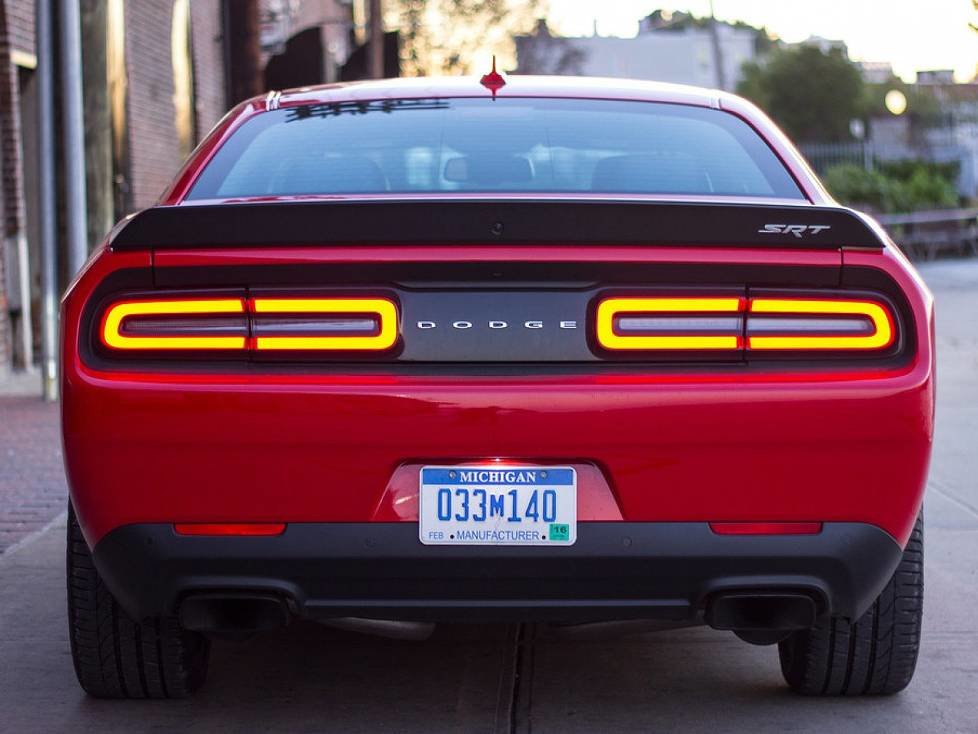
(974, 27)
(448, 36)
(678, 20)
(812, 94)
(541, 52)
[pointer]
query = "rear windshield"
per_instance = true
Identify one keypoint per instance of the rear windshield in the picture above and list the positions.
(512, 145)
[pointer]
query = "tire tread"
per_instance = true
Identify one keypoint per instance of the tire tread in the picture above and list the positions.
(874, 655)
(115, 656)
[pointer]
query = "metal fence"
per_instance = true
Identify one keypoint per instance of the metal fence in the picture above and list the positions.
(823, 156)
(928, 235)
(866, 154)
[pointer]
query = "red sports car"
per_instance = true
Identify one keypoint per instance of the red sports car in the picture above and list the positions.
(560, 350)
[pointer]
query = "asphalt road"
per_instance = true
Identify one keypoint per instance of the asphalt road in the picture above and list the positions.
(519, 678)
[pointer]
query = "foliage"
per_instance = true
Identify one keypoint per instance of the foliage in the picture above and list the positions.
(544, 53)
(677, 20)
(904, 170)
(450, 36)
(812, 94)
(898, 186)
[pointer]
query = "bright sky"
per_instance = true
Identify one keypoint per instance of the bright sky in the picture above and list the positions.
(928, 34)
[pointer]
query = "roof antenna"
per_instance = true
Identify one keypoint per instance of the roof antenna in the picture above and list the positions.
(493, 81)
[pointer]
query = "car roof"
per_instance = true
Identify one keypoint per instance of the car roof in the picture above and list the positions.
(516, 86)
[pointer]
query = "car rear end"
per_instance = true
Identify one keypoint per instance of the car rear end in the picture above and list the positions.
(472, 358)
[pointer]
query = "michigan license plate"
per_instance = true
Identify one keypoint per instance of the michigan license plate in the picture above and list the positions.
(498, 505)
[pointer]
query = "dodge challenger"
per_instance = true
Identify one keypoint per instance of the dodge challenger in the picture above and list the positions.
(567, 351)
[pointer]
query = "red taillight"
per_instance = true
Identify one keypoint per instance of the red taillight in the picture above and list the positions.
(352, 324)
(257, 324)
(815, 323)
(230, 528)
(717, 323)
(766, 528)
(190, 323)
(670, 323)
(755, 324)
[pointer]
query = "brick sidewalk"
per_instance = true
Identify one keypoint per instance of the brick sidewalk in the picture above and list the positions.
(32, 481)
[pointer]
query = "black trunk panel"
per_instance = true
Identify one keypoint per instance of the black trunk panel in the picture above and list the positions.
(458, 222)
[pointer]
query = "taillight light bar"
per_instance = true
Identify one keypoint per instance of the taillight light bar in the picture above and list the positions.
(349, 324)
(661, 324)
(851, 324)
(177, 324)
(255, 324)
(677, 323)
(754, 324)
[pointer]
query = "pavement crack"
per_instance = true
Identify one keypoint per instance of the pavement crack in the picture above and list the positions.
(516, 680)
(506, 694)
(521, 721)
(31, 537)
(938, 486)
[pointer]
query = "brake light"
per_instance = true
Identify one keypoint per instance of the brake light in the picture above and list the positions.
(670, 323)
(356, 324)
(756, 324)
(176, 324)
(259, 324)
(810, 323)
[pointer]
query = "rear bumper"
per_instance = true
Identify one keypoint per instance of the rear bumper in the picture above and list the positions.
(310, 449)
(616, 570)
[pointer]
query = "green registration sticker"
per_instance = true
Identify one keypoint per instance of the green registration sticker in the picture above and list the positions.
(559, 531)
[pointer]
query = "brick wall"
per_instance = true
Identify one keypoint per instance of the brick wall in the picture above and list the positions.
(154, 150)
(11, 160)
(154, 146)
(153, 143)
(16, 34)
(20, 21)
(205, 24)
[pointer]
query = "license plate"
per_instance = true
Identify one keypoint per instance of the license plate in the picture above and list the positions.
(498, 505)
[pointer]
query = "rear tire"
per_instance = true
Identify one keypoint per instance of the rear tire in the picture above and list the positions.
(877, 654)
(116, 657)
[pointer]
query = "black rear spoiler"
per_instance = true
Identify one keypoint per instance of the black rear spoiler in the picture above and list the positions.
(458, 222)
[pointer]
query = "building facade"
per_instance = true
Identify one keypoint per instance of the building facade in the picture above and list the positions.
(17, 62)
(705, 56)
